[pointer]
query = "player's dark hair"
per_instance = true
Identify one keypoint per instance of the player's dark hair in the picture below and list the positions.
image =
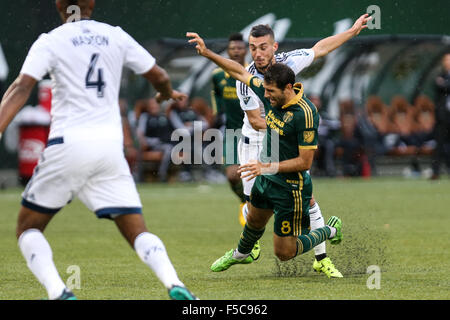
(81, 3)
(262, 30)
(236, 37)
(280, 74)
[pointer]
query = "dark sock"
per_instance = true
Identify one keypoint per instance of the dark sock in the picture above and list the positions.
(308, 241)
(321, 256)
(248, 239)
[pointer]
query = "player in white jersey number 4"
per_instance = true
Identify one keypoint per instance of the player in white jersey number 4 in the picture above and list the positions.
(263, 46)
(84, 156)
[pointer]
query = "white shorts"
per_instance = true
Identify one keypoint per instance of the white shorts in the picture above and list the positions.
(248, 149)
(94, 171)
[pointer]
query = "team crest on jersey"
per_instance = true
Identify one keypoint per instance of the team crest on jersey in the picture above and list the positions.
(308, 136)
(257, 82)
(288, 116)
(246, 99)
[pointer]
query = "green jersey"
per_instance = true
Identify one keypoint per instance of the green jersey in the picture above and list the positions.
(225, 100)
(295, 125)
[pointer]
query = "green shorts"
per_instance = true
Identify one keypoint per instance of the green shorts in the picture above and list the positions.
(230, 156)
(290, 205)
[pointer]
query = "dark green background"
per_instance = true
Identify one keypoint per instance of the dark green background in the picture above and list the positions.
(23, 20)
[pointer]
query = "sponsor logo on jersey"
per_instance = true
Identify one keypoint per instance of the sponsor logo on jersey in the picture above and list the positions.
(257, 82)
(308, 136)
(288, 116)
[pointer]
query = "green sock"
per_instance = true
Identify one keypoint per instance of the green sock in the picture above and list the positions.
(308, 241)
(249, 236)
(238, 190)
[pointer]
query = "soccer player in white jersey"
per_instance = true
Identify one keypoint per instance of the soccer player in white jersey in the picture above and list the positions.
(263, 49)
(84, 156)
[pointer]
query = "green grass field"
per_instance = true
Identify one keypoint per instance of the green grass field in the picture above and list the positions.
(402, 226)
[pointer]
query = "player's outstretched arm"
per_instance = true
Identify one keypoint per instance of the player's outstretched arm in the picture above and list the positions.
(14, 99)
(326, 45)
(233, 68)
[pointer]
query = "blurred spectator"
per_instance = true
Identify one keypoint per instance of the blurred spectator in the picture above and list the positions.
(130, 150)
(425, 121)
(154, 131)
(326, 132)
(190, 119)
(350, 145)
(204, 112)
(402, 126)
(182, 119)
(442, 128)
(375, 128)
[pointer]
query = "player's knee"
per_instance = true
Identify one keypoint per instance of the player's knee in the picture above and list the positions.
(22, 226)
(284, 248)
(284, 254)
(29, 219)
(253, 221)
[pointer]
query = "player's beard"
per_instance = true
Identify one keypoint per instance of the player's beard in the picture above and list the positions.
(279, 102)
(262, 70)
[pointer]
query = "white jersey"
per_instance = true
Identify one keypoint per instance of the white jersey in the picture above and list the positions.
(297, 60)
(85, 61)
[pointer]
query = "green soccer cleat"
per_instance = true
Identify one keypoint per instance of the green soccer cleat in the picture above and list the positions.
(181, 293)
(326, 266)
(256, 251)
(336, 223)
(227, 259)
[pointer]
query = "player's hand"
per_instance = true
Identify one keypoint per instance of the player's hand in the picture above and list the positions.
(255, 168)
(250, 170)
(201, 47)
(361, 23)
(176, 95)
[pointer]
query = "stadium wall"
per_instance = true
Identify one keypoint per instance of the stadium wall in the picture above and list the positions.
(24, 20)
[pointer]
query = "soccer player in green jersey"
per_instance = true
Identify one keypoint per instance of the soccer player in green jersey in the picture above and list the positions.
(225, 103)
(274, 181)
(283, 187)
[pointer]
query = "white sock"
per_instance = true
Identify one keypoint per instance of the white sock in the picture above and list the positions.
(39, 257)
(317, 221)
(152, 252)
(333, 231)
(239, 256)
(245, 211)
